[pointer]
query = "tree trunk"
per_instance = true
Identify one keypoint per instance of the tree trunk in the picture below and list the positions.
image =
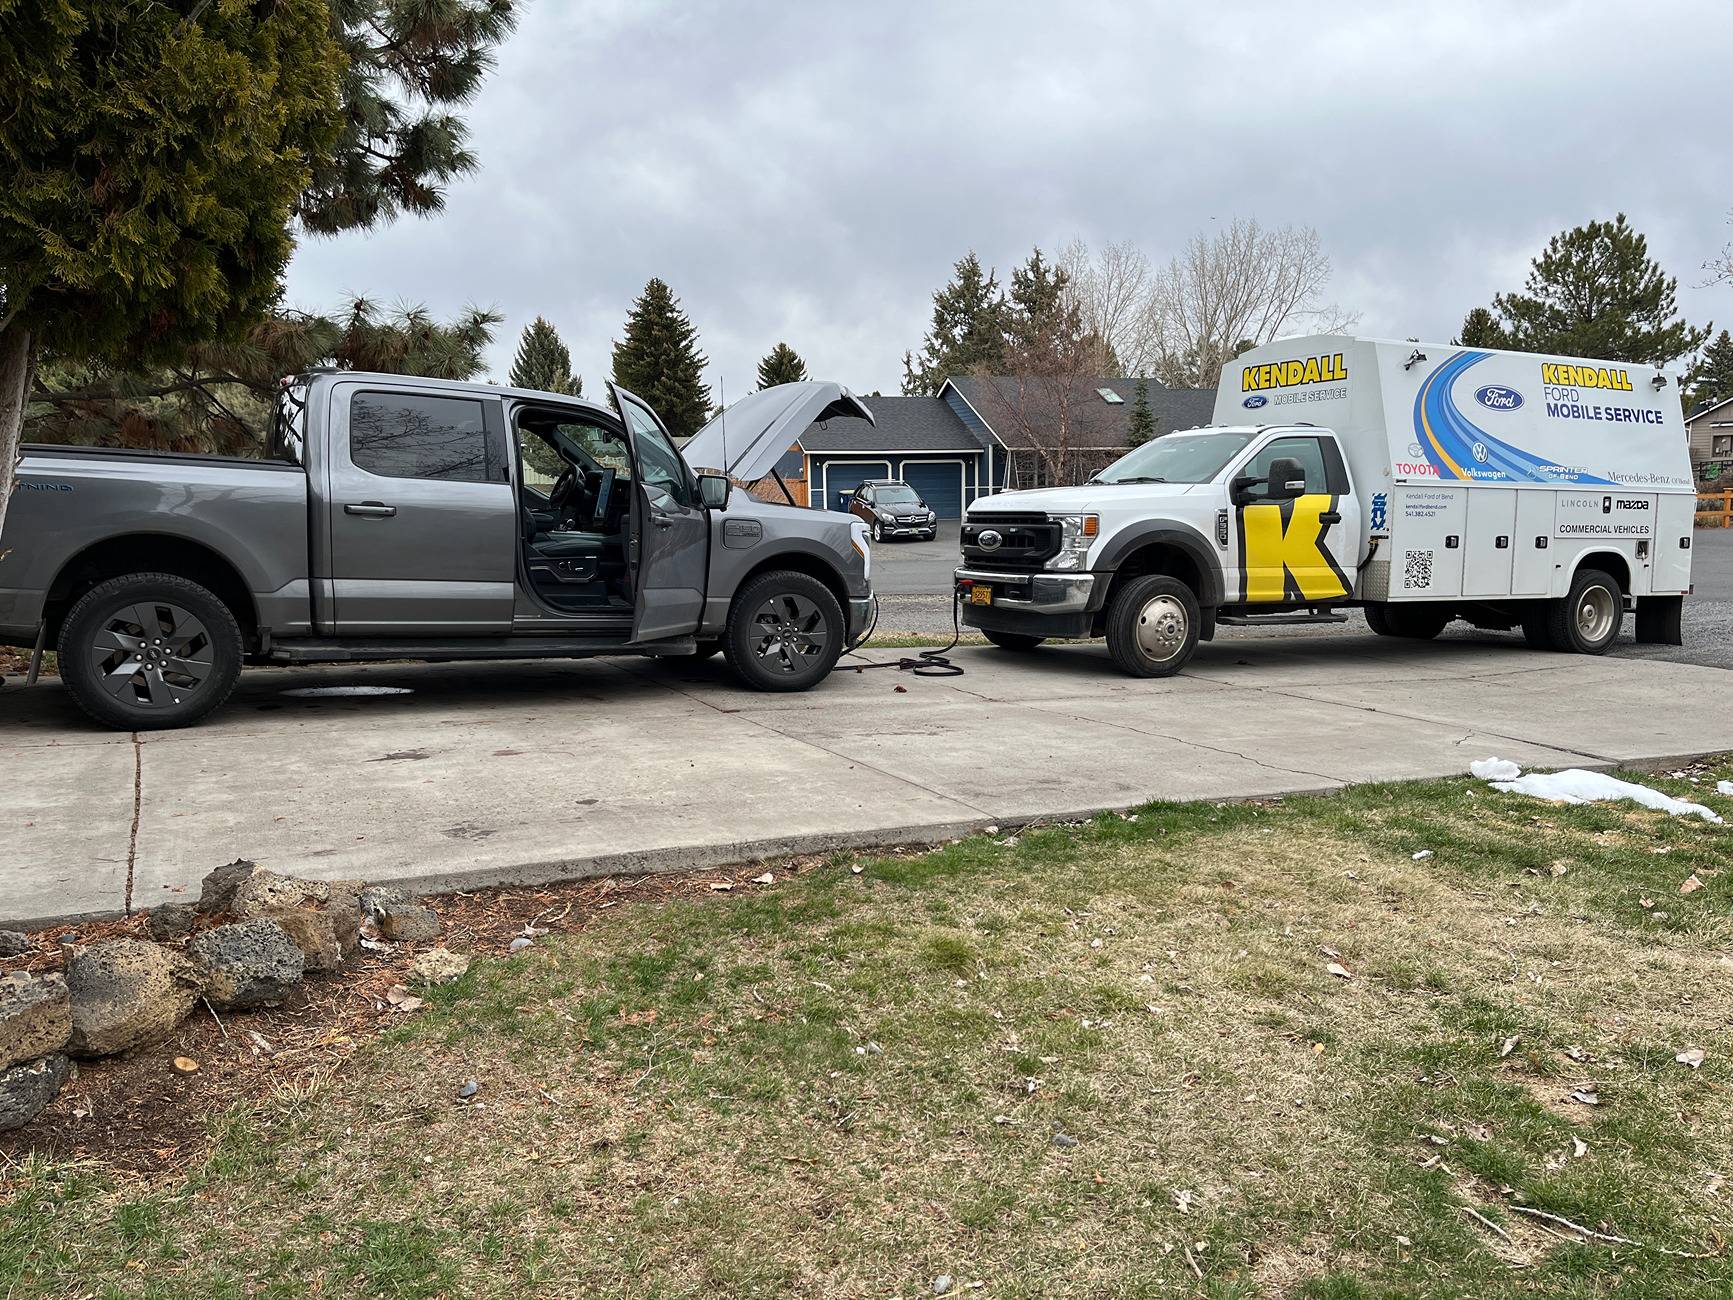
(15, 358)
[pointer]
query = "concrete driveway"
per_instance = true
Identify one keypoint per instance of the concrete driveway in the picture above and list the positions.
(474, 774)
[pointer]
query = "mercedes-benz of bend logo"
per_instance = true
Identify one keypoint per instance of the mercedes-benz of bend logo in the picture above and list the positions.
(989, 540)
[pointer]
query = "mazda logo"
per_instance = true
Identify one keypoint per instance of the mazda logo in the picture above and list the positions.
(989, 540)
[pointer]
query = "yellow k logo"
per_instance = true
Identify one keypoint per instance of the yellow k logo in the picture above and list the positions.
(1282, 546)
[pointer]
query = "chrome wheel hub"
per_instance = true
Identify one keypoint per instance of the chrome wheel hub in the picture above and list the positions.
(1162, 626)
(1597, 613)
(152, 655)
(790, 633)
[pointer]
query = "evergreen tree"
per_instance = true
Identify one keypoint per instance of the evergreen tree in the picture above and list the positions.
(153, 155)
(967, 334)
(1595, 292)
(543, 363)
(1712, 377)
(1480, 329)
(1040, 306)
(1142, 418)
(781, 365)
(405, 65)
(658, 360)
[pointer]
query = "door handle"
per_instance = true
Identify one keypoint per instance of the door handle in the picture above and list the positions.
(1330, 517)
(660, 520)
(371, 510)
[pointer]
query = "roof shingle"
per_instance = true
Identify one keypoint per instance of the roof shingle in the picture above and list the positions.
(903, 424)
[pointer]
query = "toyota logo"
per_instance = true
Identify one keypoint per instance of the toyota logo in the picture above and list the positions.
(989, 540)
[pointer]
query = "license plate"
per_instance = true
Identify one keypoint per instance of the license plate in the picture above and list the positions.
(980, 595)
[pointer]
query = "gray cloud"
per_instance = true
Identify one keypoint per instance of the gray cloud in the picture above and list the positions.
(809, 172)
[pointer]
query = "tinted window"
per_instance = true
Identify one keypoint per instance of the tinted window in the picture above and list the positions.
(401, 436)
(1308, 451)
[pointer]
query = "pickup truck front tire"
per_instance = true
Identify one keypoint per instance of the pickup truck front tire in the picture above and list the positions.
(1152, 626)
(785, 632)
(149, 651)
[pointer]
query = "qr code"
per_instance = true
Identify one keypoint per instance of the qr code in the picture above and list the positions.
(1416, 569)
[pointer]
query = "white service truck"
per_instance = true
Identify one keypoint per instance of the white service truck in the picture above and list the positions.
(1423, 482)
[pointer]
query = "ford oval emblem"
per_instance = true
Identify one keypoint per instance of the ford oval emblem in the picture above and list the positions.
(1255, 401)
(1496, 397)
(989, 540)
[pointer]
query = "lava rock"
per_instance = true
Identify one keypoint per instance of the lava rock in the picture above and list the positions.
(438, 966)
(248, 963)
(171, 921)
(14, 943)
(400, 917)
(217, 889)
(322, 917)
(35, 1016)
(26, 1090)
(126, 992)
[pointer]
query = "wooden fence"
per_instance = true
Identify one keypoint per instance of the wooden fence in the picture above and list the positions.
(1715, 509)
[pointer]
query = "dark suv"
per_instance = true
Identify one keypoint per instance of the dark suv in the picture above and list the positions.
(891, 508)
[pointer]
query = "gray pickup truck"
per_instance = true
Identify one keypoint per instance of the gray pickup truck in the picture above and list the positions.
(402, 518)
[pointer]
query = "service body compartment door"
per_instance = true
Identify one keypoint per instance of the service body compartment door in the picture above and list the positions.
(1675, 516)
(1426, 528)
(423, 523)
(1531, 571)
(1486, 541)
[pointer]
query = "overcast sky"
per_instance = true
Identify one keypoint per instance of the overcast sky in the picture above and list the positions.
(810, 171)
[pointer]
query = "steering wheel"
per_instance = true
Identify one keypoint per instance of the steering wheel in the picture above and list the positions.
(562, 488)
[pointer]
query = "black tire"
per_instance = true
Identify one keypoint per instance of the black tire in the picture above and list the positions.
(878, 531)
(1152, 626)
(1410, 622)
(1536, 627)
(111, 625)
(785, 632)
(1588, 620)
(1014, 641)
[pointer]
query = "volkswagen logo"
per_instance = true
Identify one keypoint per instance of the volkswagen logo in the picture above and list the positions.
(989, 540)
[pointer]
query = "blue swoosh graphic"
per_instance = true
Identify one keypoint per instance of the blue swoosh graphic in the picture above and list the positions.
(1448, 437)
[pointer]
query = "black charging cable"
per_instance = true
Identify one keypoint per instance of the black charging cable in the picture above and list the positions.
(928, 663)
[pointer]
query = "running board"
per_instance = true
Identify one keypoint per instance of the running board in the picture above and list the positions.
(498, 647)
(1280, 620)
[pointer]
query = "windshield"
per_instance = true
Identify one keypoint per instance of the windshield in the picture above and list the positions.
(900, 495)
(1178, 458)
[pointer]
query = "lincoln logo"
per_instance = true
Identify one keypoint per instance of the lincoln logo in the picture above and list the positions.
(989, 540)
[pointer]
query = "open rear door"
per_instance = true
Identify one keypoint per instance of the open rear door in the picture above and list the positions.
(670, 546)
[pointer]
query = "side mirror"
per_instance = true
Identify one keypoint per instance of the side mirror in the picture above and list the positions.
(1287, 479)
(713, 490)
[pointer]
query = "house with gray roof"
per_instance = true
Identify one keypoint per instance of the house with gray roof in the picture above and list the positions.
(983, 435)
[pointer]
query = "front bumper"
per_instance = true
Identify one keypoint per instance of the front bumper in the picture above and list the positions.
(928, 531)
(1043, 604)
(859, 616)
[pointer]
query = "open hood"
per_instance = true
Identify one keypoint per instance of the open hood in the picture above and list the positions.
(760, 427)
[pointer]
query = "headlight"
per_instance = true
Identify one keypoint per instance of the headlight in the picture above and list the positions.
(857, 536)
(1076, 534)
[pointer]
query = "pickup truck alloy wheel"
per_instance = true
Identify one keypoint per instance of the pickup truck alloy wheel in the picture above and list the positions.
(149, 651)
(785, 632)
(1152, 626)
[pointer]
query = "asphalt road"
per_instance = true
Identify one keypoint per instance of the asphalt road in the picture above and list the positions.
(913, 580)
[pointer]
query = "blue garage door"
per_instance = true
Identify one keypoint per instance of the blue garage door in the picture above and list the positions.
(940, 484)
(837, 479)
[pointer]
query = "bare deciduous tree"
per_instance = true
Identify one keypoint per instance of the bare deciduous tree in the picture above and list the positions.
(1112, 292)
(1720, 267)
(1242, 286)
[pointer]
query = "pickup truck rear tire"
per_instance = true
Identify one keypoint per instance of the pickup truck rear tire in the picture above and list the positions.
(785, 632)
(181, 643)
(1586, 621)
(1152, 626)
(1014, 641)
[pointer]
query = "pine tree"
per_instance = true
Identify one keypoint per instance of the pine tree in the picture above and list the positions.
(1480, 329)
(398, 57)
(153, 155)
(781, 365)
(968, 331)
(1712, 377)
(1142, 418)
(1594, 292)
(542, 361)
(658, 360)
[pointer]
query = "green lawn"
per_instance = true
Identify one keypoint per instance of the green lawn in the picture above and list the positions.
(1102, 1061)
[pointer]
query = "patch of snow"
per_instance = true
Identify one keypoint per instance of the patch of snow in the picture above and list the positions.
(1573, 785)
(1724, 787)
(1495, 769)
(326, 692)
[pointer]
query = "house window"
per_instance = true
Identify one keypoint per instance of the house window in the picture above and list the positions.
(1721, 444)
